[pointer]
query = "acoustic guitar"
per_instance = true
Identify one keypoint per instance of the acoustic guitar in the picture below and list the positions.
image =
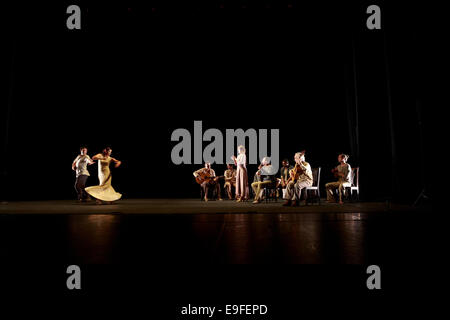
(295, 173)
(204, 177)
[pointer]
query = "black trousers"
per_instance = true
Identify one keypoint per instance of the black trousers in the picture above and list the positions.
(80, 184)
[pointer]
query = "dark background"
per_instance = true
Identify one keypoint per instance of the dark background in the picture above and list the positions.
(134, 74)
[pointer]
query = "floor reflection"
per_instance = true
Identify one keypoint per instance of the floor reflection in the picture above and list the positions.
(93, 238)
(204, 238)
(300, 241)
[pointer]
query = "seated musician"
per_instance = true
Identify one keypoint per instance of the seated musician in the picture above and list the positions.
(230, 180)
(207, 179)
(256, 178)
(344, 174)
(266, 172)
(300, 177)
(284, 174)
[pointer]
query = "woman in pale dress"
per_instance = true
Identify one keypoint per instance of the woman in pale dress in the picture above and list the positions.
(104, 191)
(241, 175)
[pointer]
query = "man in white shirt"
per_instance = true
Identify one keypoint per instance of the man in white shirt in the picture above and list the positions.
(79, 165)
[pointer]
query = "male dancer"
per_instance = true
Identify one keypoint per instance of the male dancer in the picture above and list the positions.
(79, 165)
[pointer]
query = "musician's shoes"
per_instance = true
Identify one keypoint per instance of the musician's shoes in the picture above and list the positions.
(220, 199)
(256, 201)
(295, 204)
(238, 200)
(287, 203)
(206, 199)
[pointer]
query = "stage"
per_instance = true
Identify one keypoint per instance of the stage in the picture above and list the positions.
(140, 99)
(192, 206)
(189, 231)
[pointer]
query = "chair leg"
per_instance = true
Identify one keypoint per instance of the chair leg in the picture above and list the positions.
(318, 194)
(357, 194)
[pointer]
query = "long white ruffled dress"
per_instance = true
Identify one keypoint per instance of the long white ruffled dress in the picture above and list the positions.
(104, 191)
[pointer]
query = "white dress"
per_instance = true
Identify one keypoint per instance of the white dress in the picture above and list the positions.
(104, 191)
(242, 191)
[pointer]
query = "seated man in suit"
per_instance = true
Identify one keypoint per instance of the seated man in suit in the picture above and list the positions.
(344, 174)
(267, 173)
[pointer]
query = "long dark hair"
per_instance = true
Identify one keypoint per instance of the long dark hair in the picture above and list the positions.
(106, 150)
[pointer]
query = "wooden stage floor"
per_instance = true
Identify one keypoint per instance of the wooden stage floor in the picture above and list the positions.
(191, 206)
(189, 231)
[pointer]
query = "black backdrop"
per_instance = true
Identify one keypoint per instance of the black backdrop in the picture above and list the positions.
(134, 74)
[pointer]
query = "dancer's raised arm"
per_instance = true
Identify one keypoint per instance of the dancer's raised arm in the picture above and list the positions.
(116, 162)
(97, 156)
(90, 161)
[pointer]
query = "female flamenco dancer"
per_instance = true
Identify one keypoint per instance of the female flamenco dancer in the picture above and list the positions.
(241, 175)
(104, 191)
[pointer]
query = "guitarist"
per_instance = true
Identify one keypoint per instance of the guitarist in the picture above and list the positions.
(301, 177)
(206, 177)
